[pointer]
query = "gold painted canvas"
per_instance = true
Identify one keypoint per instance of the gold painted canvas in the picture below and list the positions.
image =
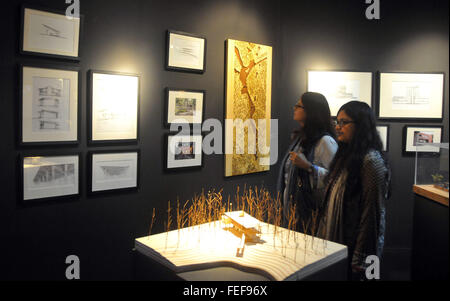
(248, 101)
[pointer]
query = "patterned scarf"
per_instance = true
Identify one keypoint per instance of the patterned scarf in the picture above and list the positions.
(332, 226)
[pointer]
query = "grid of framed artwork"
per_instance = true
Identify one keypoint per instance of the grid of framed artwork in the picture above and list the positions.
(402, 97)
(50, 114)
(50, 105)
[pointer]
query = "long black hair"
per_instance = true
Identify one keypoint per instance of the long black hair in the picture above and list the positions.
(350, 155)
(318, 119)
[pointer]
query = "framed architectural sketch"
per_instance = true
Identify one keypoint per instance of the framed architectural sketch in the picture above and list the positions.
(183, 151)
(49, 106)
(50, 33)
(340, 87)
(416, 138)
(114, 107)
(185, 52)
(383, 131)
(49, 177)
(411, 96)
(184, 106)
(248, 108)
(113, 170)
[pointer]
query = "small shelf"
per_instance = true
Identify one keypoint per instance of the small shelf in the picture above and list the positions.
(432, 193)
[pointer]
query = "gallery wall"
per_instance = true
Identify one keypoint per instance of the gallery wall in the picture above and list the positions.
(122, 36)
(129, 36)
(410, 36)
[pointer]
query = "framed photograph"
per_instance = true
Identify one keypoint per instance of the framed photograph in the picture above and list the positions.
(249, 99)
(185, 52)
(184, 106)
(50, 33)
(49, 177)
(411, 96)
(118, 170)
(416, 138)
(383, 131)
(114, 107)
(49, 107)
(340, 87)
(183, 151)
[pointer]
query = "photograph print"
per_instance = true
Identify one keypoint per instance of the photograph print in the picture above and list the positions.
(419, 138)
(184, 106)
(49, 105)
(183, 151)
(49, 33)
(47, 177)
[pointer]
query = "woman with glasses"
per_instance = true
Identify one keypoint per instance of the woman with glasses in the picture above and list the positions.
(305, 165)
(358, 186)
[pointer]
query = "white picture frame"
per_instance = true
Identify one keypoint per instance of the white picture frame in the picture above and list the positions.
(114, 171)
(340, 87)
(50, 177)
(114, 107)
(411, 96)
(49, 105)
(50, 33)
(183, 151)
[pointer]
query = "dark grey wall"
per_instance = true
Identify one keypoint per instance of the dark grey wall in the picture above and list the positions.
(335, 35)
(129, 36)
(126, 36)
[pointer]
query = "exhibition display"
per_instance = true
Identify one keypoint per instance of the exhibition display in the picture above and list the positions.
(275, 252)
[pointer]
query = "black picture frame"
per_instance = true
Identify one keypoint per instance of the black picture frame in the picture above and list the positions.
(51, 67)
(55, 198)
(405, 152)
(113, 190)
(22, 39)
(90, 112)
(418, 117)
(173, 66)
(372, 84)
(166, 153)
(387, 126)
(167, 106)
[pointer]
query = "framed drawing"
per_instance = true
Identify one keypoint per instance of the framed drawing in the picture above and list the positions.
(114, 107)
(416, 138)
(118, 170)
(50, 33)
(184, 106)
(183, 151)
(49, 177)
(340, 87)
(49, 107)
(248, 107)
(411, 96)
(185, 52)
(383, 131)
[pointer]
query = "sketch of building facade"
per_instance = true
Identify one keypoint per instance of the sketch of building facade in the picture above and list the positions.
(55, 174)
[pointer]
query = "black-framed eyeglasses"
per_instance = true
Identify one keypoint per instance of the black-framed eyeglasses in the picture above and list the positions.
(298, 106)
(342, 122)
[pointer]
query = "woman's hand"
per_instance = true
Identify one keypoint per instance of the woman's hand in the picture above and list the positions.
(300, 160)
